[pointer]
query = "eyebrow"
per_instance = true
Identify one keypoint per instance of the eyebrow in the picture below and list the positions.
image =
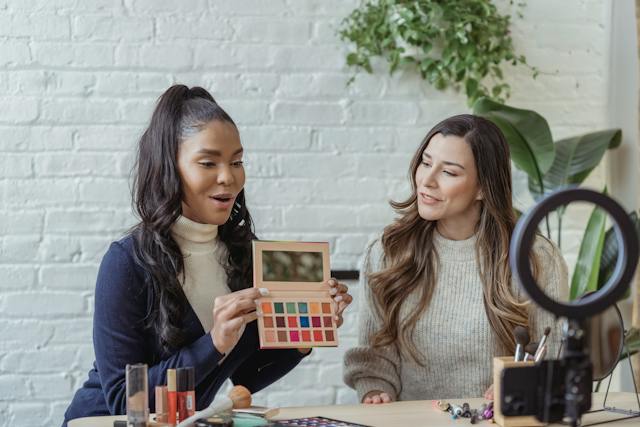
(217, 152)
(444, 161)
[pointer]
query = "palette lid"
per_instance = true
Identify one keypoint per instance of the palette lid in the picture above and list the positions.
(299, 266)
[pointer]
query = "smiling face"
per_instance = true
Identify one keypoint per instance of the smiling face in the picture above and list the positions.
(447, 188)
(211, 172)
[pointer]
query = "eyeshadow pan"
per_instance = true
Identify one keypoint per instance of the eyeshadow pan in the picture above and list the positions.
(314, 307)
(304, 322)
(280, 322)
(329, 335)
(306, 335)
(282, 336)
(293, 321)
(294, 336)
(326, 307)
(317, 336)
(279, 308)
(270, 336)
(266, 308)
(327, 321)
(315, 321)
(302, 307)
(291, 307)
(268, 322)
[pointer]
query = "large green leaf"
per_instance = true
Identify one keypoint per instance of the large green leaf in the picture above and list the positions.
(610, 251)
(585, 275)
(575, 158)
(527, 133)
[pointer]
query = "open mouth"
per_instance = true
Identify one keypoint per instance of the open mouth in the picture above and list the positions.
(222, 198)
(430, 198)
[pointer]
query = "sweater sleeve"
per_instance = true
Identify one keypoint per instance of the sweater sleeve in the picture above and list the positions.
(120, 338)
(553, 279)
(367, 368)
(266, 367)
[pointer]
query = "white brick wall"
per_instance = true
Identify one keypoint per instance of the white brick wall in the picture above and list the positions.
(78, 81)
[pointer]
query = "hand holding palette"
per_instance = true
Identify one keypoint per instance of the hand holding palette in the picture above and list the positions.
(299, 311)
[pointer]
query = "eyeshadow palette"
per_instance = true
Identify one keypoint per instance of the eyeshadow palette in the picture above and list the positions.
(316, 422)
(299, 311)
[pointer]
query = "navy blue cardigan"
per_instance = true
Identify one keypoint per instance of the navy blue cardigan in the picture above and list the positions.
(120, 338)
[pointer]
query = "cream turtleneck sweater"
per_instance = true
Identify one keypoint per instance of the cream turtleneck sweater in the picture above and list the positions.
(453, 334)
(204, 276)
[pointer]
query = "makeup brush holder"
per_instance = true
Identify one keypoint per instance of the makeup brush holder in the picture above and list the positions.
(499, 364)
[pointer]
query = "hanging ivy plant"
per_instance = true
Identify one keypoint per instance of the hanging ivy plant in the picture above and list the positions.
(453, 43)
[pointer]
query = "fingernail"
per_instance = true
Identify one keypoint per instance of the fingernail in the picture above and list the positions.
(338, 298)
(337, 317)
(264, 291)
(333, 291)
(332, 282)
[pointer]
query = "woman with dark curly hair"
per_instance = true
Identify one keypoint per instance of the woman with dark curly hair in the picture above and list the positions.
(177, 290)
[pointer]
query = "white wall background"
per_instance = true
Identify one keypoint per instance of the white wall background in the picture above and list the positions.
(78, 81)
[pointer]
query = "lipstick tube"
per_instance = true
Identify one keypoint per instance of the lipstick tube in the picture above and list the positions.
(172, 397)
(186, 392)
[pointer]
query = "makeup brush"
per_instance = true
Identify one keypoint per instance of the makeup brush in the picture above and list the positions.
(522, 339)
(239, 397)
(543, 342)
(529, 350)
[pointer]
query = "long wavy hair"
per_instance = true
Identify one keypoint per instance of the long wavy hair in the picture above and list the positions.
(410, 260)
(157, 200)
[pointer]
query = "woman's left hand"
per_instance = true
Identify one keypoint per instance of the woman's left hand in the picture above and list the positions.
(340, 294)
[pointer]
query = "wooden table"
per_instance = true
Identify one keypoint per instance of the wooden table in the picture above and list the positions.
(409, 414)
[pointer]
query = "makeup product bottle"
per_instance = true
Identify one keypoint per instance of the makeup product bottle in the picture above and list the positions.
(137, 395)
(186, 393)
(172, 397)
(162, 410)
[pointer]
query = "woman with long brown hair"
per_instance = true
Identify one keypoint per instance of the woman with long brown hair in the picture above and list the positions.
(438, 296)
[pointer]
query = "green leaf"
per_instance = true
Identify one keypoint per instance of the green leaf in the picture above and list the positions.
(610, 251)
(527, 133)
(576, 157)
(585, 275)
(471, 87)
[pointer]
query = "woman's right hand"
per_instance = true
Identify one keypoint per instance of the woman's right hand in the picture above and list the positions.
(376, 397)
(231, 313)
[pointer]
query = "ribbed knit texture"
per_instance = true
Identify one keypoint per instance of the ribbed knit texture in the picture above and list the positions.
(204, 278)
(453, 334)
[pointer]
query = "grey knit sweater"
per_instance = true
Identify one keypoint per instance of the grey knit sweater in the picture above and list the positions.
(453, 334)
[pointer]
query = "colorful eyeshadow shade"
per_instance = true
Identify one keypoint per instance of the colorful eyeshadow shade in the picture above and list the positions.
(294, 336)
(280, 322)
(270, 336)
(291, 307)
(306, 336)
(327, 321)
(282, 336)
(293, 321)
(315, 321)
(314, 307)
(268, 322)
(278, 307)
(326, 308)
(266, 308)
(304, 322)
(302, 307)
(329, 335)
(317, 336)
